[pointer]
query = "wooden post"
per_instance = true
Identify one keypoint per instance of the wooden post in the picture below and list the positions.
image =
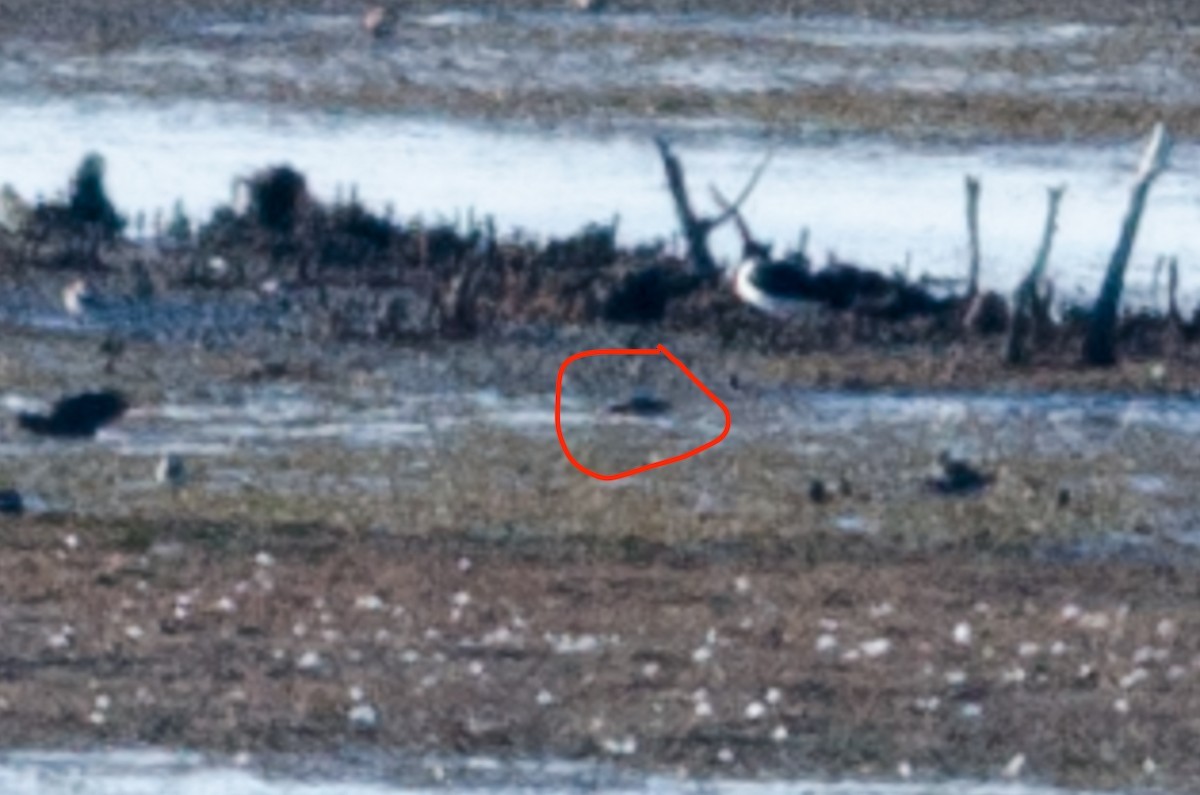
(973, 233)
(1100, 345)
(1028, 311)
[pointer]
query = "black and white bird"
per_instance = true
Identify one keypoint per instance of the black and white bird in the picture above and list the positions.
(380, 21)
(170, 470)
(78, 298)
(77, 416)
(779, 288)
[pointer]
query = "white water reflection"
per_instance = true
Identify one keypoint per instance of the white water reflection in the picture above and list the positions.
(872, 202)
(145, 772)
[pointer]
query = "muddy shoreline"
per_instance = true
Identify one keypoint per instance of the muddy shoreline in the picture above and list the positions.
(473, 647)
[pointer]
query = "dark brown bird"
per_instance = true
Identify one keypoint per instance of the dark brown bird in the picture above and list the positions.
(959, 478)
(641, 405)
(77, 416)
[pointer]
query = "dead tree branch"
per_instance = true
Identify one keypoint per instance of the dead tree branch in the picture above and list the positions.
(972, 184)
(696, 229)
(1030, 307)
(1100, 345)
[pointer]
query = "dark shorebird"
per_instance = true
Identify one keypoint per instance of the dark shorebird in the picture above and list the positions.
(641, 405)
(959, 477)
(77, 416)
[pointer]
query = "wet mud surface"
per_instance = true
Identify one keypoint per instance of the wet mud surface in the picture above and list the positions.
(928, 71)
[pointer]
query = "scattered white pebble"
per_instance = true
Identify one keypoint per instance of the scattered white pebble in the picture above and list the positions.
(356, 693)
(828, 624)
(1085, 670)
(134, 632)
(1133, 678)
(742, 584)
(962, 633)
(62, 638)
(1070, 612)
(1176, 672)
(1096, 621)
(1058, 648)
(882, 610)
(650, 670)
(1149, 766)
(368, 602)
(475, 668)
(264, 559)
(703, 709)
(826, 643)
(1014, 675)
(71, 541)
(702, 654)
(1121, 705)
(774, 695)
(103, 702)
(97, 718)
(724, 756)
(461, 599)
(544, 698)
(1028, 649)
(971, 710)
(464, 565)
(309, 661)
(571, 644)
(363, 716)
(904, 770)
(623, 747)
(755, 710)
(225, 605)
(779, 733)
(930, 704)
(852, 655)
(1014, 766)
(876, 648)
(956, 677)
(1166, 629)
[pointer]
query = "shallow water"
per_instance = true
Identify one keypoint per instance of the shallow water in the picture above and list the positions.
(876, 203)
(137, 772)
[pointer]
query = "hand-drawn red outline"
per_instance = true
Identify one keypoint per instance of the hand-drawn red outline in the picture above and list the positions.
(635, 352)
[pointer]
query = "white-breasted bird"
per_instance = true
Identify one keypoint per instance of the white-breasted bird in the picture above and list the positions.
(170, 470)
(781, 289)
(78, 298)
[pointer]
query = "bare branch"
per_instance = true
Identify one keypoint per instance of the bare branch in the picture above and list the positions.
(1100, 346)
(729, 210)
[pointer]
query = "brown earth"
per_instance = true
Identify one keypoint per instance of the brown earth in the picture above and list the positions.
(748, 659)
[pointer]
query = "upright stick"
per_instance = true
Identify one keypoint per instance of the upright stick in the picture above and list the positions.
(1100, 346)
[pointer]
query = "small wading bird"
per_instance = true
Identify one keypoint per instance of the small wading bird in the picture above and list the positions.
(779, 288)
(380, 22)
(78, 298)
(77, 416)
(958, 477)
(170, 470)
(642, 405)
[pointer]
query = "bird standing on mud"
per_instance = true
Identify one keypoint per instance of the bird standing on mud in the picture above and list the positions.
(77, 416)
(958, 477)
(170, 470)
(781, 289)
(78, 298)
(380, 22)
